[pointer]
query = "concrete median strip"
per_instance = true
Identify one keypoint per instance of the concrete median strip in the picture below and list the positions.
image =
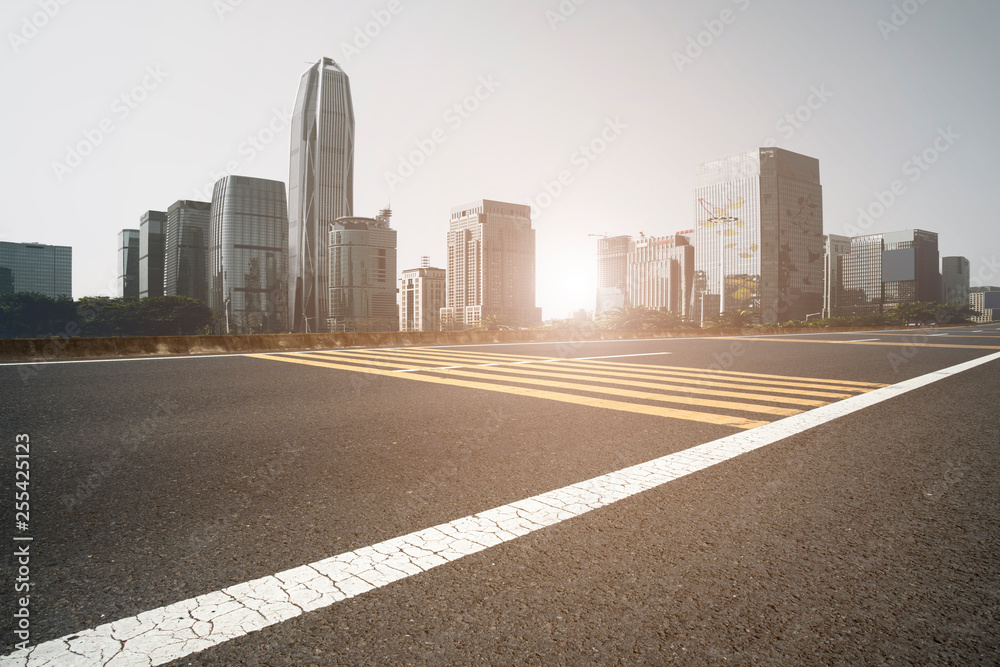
(162, 635)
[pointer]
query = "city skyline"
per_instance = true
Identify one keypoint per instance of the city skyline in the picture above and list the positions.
(599, 141)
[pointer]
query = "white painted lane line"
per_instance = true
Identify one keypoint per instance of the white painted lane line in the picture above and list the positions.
(944, 334)
(169, 633)
(863, 340)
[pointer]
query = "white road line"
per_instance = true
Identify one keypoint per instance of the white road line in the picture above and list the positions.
(929, 335)
(169, 633)
(863, 340)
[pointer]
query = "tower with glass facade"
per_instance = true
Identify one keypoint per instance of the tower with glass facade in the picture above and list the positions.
(660, 273)
(491, 266)
(759, 235)
(152, 246)
(128, 263)
(320, 187)
(612, 272)
(248, 255)
(36, 267)
(955, 280)
(186, 250)
(362, 288)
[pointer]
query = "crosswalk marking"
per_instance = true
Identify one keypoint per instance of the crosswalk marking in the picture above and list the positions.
(640, 408)
(631, 387)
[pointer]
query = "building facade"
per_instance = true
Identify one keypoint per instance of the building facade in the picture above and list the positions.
(36, 267)
(759, 235)
(884, 270)
(660, 273)
(491, 266)
(247, 261)
(954, 280)
(152, 247)
(320, 187)
(362, 287)
(612, 272)
(986, 302)
(421, 298)
(185, 252)
(833, 247)
(128, 263)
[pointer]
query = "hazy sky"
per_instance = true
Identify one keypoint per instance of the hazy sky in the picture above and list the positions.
(116, 107)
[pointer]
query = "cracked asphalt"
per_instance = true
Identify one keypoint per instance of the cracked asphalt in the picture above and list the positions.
(870, 539)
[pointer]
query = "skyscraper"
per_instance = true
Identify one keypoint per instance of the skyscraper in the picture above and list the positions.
(759, 235)
(363, 274)
(834, 246)
(152, 228)
(128, 263)
(955, 280)
(186, 250)
(612, 272)
(320, 187)
(491, 266)
(248, 255)
(36, 267)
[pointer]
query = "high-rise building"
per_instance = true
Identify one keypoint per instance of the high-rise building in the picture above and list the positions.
(36, 267)
(248, 255)
(612, 272)
(660, 273)
(320, 187)
(362, 287)
(186, 250)
(128, 263)
(759, 235)
(152, 245)
(884, 270)
(954, 280)
(833, 247)
(491, 266)
(421, 298)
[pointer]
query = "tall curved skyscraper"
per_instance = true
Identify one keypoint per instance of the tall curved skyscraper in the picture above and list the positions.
(320, 187)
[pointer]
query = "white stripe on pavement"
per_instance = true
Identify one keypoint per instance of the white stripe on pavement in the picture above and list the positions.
(161, 635)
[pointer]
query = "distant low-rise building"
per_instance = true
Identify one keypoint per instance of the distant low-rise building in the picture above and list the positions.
(36, 267)
(985, 301)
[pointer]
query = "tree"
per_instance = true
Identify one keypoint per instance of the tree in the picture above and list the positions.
(34, 315)
(733, 319)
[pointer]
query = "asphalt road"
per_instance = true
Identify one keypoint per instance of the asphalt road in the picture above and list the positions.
(868, 539)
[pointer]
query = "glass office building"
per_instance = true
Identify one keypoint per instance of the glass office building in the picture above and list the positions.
(882, 271)
(320, 187)
(759, 235)
(186, 250)
(36, 267)
(612, 272)
(128, 263)
(362, 289)
(152, 245)
(248, 255)
(955, 280)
